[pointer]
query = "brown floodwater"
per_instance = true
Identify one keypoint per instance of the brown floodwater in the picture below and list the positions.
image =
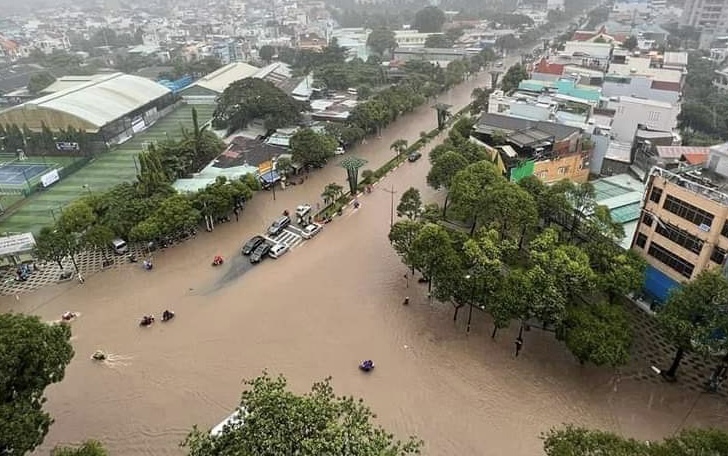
(317, 312)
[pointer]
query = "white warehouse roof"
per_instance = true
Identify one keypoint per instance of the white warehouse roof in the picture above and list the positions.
(99, 101)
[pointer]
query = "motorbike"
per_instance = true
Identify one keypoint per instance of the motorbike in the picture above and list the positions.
(366, 366)
(167, 315)
(218, 261)
(146, 321)
(131, 258)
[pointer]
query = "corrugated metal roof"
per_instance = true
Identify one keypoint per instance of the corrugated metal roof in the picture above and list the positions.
(101, 100)
(69, 82)
(679, 151)
(221, 78)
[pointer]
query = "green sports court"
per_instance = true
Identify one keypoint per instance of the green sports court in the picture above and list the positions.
(106, 170)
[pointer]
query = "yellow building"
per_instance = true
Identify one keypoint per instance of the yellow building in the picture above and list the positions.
(684, 224)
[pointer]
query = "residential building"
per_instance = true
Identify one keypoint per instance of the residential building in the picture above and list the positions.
(410, 38)
(684, 225)
(523, 147)
(708, 16)
(622, 195)
(586, 54)
(629, 112)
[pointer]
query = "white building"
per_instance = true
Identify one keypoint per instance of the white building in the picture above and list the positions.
(629, 112)
(708, 16)
(555, 5)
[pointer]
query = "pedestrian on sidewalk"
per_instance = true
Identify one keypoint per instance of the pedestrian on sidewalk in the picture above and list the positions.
(519, 345)
(81, 279)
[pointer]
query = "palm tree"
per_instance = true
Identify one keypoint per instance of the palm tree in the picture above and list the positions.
(399, 146)
(332, 192)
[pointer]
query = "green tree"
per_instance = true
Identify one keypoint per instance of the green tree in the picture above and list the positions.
(693, 316)
(399, 146)
(176, 214)
(145, 231)
(483, 253)
(312, 149)
(266, 53)
(443, 171)
(34, 355)
(278, 421)
(54, 245)
(88, 448)
(40, 81)
(509, 209)
(438, 41)
(432, 252)
(381, 40)
(470, 186)
(572, 441)
(567, 263)
(429, 20)
(401, 235)
(410, 205)
(332, 192)
(284, 165)
(98, 237)
(253, 98)
(513, 77)
(598, 333)
(481, 100)
(76, 217)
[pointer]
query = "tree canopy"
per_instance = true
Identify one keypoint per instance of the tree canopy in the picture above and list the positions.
(254, 98)
(513, 77)
(276, 421)
(381, 40)
(34, 355)
(312, 149)
(573, 441)
(429, 19)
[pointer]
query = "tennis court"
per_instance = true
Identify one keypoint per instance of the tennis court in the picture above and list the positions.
(20, 173)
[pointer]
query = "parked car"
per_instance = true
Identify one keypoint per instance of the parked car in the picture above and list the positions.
(278, 250)
(311, 230)
(339, 151)
(279, 225)
(260, 252)
(252, 244)
(414, 156)
(303, 210)
(119, 246)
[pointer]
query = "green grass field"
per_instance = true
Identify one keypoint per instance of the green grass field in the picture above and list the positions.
(108, 169)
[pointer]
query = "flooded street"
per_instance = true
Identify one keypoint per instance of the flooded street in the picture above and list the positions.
(318, 311)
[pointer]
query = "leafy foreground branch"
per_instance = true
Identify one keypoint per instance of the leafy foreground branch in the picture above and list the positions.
(279, 422)
(573, 441)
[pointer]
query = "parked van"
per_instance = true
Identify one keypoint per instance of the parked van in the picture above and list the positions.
(119, 246)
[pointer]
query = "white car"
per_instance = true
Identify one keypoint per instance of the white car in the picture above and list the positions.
(339, 151)
(303, 210)
(278, 250)
(312, 230)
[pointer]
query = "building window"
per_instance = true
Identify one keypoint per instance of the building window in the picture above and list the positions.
(654, 116)
(641, 240)
(563, 170)
(661, 254)
(689, 212)
(647, 219)
(680, 237)
(543, 175)
(718, 255)
(655, 195)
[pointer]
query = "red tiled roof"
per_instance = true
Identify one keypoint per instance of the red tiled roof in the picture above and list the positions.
(666, 85)
(695, 159)
(679, 151)
(545, 67)
(581, 35)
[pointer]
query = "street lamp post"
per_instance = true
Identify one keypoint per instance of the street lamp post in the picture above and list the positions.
(391, 204)
(470, 302)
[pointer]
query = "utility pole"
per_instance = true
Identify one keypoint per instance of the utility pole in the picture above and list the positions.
(391, 204)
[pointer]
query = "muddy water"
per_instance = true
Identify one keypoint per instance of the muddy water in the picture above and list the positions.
(316, 312)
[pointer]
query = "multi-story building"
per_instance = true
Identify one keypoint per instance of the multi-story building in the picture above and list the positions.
(684, 224)
(630, 112)
(708, 16)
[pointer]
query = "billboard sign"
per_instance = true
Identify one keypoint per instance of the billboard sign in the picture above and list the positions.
(65, 146)
(50, 178)
(17, 243)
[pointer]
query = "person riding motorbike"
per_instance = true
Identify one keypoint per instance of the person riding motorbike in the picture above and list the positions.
(167, 315)
(147, 320)
(217, 261)
(68, 315)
